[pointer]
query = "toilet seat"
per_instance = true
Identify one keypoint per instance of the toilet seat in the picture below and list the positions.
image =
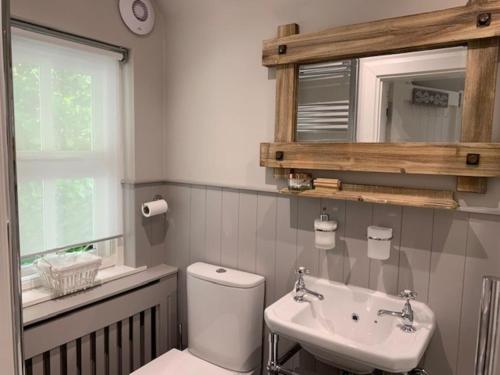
(175, 362)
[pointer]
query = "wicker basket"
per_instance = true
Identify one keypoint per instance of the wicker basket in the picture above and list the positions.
(68, 273)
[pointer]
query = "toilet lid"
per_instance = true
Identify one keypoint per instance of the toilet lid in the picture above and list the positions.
(176, 362)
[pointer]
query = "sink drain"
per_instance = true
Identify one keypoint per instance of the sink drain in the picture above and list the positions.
(355, 317)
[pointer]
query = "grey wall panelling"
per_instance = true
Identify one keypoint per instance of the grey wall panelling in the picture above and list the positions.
(440, 254)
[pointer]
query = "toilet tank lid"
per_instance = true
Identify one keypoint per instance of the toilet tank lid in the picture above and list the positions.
(224, 276)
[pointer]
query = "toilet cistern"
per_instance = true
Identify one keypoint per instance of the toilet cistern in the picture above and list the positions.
(300, 287)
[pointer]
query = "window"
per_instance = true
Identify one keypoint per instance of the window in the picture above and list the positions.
(69, 144)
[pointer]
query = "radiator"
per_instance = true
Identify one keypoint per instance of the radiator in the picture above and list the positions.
(113, 337)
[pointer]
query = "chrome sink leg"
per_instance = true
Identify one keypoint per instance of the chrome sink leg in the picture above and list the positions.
(275, 363)
(418, 371)
(272, 364)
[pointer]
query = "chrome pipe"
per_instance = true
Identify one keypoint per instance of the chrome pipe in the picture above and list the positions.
(288, 355)
(487, 349)
(273, 354)
(418, 371)
(274, 364)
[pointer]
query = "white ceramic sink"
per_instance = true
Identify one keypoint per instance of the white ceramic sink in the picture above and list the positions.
(329, 330)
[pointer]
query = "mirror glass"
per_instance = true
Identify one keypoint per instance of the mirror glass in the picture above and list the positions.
(409, 97)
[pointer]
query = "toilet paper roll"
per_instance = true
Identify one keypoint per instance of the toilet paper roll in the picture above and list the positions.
(154, 208)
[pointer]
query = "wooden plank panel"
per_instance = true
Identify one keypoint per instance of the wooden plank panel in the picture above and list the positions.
(114, 355)
(177, 238)
(229, 230)
(147, 335)
(357, 264)
(86, 356)
(266, 242)
(71, 358)
(286, 93)
(448, 27)
(307, 254)
(178, 247)
(159, 232)
(415, 253)
(247, 231)
(100, 353)
(142, 230)
(125, 347)
(384, 195)
(55, 361)
(384, 273)
(37, 366)
(331, 263)
(213, 224)
(286, 245)
(412, 158)
(136, 342)
(480, 90)
(445, 289)
(197, 226)
(472, 184)
(479, 102)
(266, 251)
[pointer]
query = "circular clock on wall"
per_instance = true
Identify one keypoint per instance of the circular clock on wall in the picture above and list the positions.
(138, 15)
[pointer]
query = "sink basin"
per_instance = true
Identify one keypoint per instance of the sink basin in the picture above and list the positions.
(345, 331)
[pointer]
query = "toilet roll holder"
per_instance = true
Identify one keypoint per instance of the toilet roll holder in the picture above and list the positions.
(145, 210)
(157, 197)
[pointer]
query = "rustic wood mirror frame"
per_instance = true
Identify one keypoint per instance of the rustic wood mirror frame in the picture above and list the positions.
(473, 160)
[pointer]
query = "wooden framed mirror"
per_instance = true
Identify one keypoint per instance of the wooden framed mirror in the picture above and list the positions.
(462, 44)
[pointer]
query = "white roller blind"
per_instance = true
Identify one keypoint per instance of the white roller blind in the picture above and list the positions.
(69, 142)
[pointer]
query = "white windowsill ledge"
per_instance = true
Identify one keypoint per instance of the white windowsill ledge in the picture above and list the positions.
(41, 294)
(113, 281)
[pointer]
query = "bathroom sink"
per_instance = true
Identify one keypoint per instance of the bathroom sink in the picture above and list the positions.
(344, 329)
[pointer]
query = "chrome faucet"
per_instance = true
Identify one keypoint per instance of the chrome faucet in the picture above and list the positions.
(406, 314)
(300, 287)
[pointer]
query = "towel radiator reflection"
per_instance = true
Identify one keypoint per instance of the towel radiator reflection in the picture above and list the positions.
(487, 353)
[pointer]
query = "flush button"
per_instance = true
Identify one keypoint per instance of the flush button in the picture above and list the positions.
(221, 270)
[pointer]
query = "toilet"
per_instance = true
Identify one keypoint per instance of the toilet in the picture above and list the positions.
(225, 312)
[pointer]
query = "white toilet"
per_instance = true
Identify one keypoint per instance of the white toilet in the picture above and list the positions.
(225, 310)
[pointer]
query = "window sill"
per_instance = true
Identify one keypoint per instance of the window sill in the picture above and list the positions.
(120, 284)
(38, 295)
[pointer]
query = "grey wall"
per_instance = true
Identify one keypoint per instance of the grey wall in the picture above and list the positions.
(219, 105)
(440, 254)
(218, 98)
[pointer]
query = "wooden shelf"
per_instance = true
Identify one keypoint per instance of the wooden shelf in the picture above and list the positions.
(403, 158)
(385, 195)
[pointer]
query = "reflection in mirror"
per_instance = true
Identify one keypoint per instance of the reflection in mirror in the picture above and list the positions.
(326, 97)
(410, 97)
